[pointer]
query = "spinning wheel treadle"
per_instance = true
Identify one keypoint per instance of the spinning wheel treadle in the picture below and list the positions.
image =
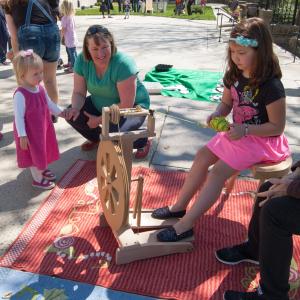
(113, 184)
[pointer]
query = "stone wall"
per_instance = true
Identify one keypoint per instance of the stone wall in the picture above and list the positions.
(286, 36)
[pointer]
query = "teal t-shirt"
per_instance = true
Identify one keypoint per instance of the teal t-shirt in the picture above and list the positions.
(104, 90)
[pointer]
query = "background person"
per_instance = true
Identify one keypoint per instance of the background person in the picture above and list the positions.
(4, 36)
(37, 31)
(68, 32)
(110, 77)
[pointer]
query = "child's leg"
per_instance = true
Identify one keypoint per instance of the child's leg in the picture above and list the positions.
(208, 195)
(195, 179)
(36, 174)
(73, 54)
(69, 58)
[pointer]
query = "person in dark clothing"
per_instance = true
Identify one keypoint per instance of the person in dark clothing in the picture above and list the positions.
(189, 6)
(276, 217)
(4, 37)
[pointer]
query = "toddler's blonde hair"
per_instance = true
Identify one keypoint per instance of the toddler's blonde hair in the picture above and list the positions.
(23, 61)
(67, 8)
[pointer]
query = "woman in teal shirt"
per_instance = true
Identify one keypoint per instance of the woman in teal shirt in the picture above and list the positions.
(110, 77)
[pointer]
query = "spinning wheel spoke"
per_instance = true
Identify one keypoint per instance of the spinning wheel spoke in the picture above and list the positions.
(107, 162)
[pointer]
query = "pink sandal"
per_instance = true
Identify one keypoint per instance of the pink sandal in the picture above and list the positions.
(44, 184)
(47, 174)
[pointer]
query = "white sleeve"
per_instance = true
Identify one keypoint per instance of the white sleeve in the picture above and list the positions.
(19, 110)
(53, 107)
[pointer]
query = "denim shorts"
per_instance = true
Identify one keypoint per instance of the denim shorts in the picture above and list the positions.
(44, 40)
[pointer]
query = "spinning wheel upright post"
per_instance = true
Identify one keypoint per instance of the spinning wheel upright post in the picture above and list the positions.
(114, 164)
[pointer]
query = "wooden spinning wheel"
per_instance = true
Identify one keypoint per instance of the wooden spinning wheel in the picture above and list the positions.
(114, 164)
(113, 184)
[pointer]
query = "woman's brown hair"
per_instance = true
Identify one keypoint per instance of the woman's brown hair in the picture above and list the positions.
(266, 65)
(98, 33)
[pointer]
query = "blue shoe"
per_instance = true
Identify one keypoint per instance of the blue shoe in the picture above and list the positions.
(169, 235)
(164, 213)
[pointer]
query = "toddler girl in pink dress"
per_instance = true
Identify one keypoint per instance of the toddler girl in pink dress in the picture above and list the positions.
(34, 134)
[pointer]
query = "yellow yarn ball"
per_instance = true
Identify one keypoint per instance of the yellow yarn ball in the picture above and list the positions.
(219, 124)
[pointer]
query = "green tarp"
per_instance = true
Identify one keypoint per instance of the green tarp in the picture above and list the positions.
(200, 85)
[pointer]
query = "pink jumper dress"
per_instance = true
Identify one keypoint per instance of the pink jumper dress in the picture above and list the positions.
(42, 143)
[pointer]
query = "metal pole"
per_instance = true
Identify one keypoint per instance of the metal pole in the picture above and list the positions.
(295, 53)
(221, 28)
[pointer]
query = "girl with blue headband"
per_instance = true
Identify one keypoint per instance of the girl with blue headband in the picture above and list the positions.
(255, 95)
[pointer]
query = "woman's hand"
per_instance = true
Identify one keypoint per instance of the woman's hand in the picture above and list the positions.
(278, 189)
(236, 131)
(24, 142)
(93, 121)
(70, 113)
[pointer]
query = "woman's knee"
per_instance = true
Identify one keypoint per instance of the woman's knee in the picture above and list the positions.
(273, 209)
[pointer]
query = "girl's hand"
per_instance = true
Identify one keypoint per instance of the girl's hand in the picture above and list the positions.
(236, 131)
(24, 142)
(63, 114)
(71, 113)
(94, 121)
(211, 116)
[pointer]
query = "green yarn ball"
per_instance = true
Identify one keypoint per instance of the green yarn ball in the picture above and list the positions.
(219, 124)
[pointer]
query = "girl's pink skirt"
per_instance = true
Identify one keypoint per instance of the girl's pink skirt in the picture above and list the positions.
(249, 150)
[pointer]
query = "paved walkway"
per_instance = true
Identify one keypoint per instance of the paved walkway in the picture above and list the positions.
(186, 44)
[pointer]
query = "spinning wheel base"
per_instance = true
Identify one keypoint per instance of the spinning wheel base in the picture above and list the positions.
(137, 246)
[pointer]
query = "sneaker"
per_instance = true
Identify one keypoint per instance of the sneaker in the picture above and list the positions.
(44, 184)
(88, 146)
(47, 174)
(5, 63)
(235, 255)
(233, 295)
(143, 152)
(69, 70)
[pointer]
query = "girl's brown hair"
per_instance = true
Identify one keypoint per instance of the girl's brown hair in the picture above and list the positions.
(266, 65)
(99, 34)
(23, 61)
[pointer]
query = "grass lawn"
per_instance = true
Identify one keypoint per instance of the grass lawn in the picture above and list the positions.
(206, 15)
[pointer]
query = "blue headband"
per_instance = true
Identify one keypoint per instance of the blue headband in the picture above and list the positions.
(243, 41)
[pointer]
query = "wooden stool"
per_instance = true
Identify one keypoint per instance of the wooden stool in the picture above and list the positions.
(264, 172)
